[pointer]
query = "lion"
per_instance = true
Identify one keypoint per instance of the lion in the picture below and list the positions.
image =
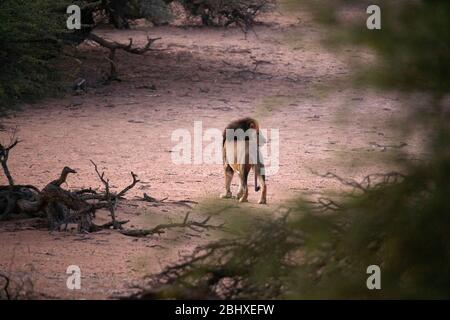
(241, 142)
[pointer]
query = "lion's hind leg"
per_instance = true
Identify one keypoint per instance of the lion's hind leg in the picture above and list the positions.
(228, 178)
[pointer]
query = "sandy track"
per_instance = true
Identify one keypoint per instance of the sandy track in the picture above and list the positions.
(199, 74)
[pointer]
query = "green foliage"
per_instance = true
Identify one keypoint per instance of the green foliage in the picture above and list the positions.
(156, 11)
(32, 34)
(121, 11)
(28, 43)
(401, 225)
(403, 228)
(412, 45)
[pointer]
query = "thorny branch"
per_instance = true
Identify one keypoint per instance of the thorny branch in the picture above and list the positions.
(369, 182)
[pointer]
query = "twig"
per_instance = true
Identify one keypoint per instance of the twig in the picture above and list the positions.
(108, 198)
(325, 204)
(369, 182)
(161, 227)
(126, 189)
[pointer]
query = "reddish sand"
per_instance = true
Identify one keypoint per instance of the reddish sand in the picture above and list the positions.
(199, 74)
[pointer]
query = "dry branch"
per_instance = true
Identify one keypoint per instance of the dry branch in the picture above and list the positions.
(112, 46)
(325, 204)
(369, 182)
(109, 198)
(62, 206)
(129, 187)
(162, 227)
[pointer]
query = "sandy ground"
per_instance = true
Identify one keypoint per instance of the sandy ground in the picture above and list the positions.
(195, 74)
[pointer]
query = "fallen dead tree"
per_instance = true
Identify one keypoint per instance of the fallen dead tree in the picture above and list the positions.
(58, 205)
(61, 207)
